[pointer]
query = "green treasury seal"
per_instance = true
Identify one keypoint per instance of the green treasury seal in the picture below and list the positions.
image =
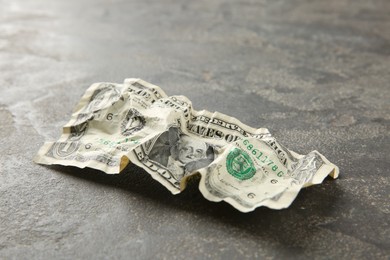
(240, 165)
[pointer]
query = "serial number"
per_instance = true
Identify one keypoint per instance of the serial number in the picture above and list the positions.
(263, 159)
(117, 144)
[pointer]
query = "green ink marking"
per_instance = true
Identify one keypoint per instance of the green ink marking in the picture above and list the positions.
(266, 161)
(240, 165)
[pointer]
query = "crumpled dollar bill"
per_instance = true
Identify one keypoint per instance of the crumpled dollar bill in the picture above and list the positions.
(115, 124)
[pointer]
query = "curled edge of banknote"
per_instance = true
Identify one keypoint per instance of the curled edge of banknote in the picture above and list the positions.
(115, 124)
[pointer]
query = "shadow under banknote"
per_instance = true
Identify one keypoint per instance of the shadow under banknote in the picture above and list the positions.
(293, 227)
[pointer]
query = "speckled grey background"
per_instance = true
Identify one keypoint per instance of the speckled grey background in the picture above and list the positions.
(316, 73)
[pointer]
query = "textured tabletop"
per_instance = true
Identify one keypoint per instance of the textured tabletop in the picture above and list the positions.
(315, 73)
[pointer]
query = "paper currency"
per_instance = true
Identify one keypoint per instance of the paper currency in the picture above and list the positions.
(115, 124)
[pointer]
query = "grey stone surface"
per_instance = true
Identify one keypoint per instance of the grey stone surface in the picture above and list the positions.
(316, 73)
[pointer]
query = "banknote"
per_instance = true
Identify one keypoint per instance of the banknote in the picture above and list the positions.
(137, 122)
